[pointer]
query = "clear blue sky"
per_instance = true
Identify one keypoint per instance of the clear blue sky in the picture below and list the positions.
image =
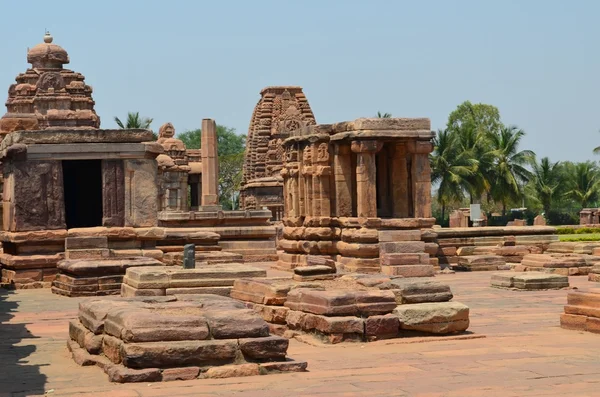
(538, 61)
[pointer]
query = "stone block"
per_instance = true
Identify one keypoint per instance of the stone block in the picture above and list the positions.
(181, 322)
(272, 314)
(121, 374)
(184, 373)
(437, 318)
(409, 270)
(111, 347)
(101, 253)
(228, 371)
(178, 353)
(147, 277)
(284, 366)
(341, 302)
(243, 323)
(382, 327)
(222, 291)
(536, 280)
(270, 347)
(128, 291)
(407, 247)
(313, 270)
(408, 291)
(404, 259)
(92, 242)
(571, 321)
(399, 235)
(262, 291)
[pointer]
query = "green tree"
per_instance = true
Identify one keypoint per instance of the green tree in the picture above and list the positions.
(384, 115)
(135, 121)
(509, 172)
(230, 150)
(451, 168)
(583, 183)
(546, 182)
(480, 117)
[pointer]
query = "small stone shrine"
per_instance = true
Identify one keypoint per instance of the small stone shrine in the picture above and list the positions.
(279, 111)
(345, 182)
(60, 172)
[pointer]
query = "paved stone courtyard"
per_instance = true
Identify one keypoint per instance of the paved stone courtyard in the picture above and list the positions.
(515, 348)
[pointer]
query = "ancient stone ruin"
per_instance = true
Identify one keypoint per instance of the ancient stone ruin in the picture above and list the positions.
(182, 174)
(279, 111)
(340, 191)
(176, 338)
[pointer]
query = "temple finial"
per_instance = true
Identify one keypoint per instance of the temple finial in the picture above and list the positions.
(47, 37)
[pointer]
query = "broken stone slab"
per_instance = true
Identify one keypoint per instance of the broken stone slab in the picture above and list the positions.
(410, 290)
(104, 267)
(437, 318)
(479, 262)
(553, 260)
(313, 270)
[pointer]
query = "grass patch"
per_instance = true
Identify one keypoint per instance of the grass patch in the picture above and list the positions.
(580, 237)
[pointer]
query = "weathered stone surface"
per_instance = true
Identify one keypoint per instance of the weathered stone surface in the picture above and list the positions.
(106, 267)
(285, 366)
(399, 235)
(263, 291)
(121, 374)
(438, 318)
(313, 270)
(184, 373)
(113, 191)
(141, 190)
(341, 302)
(382, 327)
(181, 322)
(75, 243)
(409, 270)
(418, 291)
(272, 314)
(243, 323)
(404, 259)
(178, 353)
(228, 371)
(407, 247)
(270, 347)
(529, 281)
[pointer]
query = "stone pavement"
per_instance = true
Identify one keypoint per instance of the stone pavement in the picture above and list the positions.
(524, 353)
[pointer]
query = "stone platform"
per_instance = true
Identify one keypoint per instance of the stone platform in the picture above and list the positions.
(582, 312)
(85, 277)
(594, 274)
(354, 307)
(563, 264)
(170, 280)
(175, 338)
(529, 281)
(480, 263)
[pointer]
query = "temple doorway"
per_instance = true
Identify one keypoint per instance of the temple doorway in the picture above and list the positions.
(83, 192)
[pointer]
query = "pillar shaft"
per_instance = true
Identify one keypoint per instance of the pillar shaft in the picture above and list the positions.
(400, 182)
(342, 164)
(366, 176)
(210, 165)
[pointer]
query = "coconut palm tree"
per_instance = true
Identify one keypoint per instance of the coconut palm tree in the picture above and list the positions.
(134, 121)
(584, 183)
(546, 182)
(451, 167)
(384, 115)
(508, 173)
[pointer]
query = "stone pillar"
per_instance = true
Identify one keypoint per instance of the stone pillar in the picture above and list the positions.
(342, 164)
(321, 173)
(210, 165)
(307, 176)
(113, 193)
(421, 178)
(399, 182)
(366, 176)
(383, 183)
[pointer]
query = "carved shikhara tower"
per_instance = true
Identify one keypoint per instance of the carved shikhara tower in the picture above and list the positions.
(48, 96)
(279, 111)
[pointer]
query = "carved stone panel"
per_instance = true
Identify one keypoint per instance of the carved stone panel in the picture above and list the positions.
(113, 193)
(141, 193)
(38, 196)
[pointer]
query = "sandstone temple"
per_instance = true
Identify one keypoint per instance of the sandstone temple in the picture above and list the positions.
(279, 111)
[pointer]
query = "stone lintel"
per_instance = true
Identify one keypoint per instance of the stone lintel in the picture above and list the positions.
(77, 135)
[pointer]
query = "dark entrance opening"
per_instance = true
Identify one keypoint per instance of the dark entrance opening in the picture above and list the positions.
(83, 192)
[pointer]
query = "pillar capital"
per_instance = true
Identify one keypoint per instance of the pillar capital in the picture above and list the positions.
(341, 148)
(366, 146)
(419, 147)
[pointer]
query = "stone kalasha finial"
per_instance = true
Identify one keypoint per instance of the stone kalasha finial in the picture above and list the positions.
(48, 37)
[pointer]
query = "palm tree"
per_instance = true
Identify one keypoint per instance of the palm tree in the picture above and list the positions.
(384, 115)
(134, 121)
(474, 144)
(546, 182)
(508, 173)
(451, 167)
(584, 183)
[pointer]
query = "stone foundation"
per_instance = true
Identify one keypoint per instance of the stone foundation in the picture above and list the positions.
(582, 312)
(176, 338)
(529, 281)
(563, 264)
(161, 281)
(480, 262)
(369, 308)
